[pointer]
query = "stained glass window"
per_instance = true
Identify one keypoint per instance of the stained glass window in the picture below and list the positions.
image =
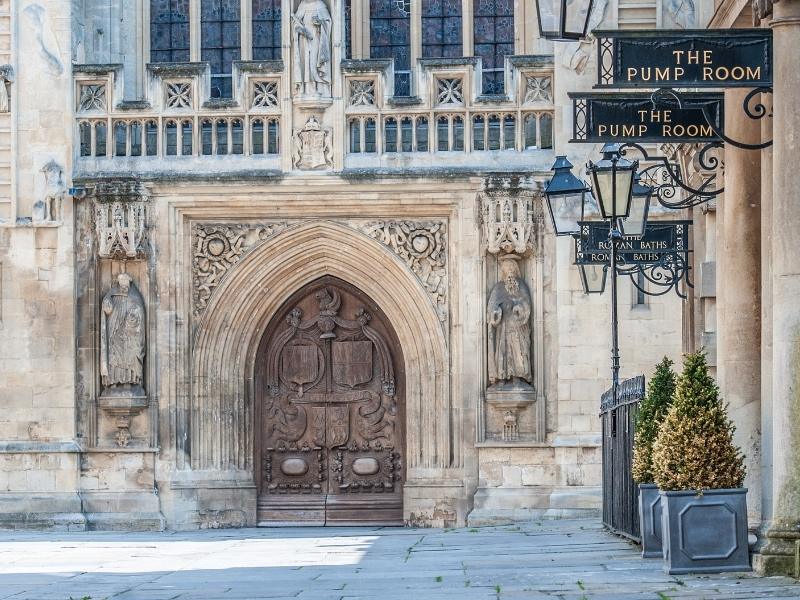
(441, 28)
(169, 31)
(390, 37)
(266, 29)
(493, 34)
(348, 26)
(220, 33)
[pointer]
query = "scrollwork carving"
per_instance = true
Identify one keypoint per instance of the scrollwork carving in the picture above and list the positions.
(217, 248)
(423, 247)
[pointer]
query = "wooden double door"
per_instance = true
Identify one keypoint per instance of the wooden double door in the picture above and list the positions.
(331, 412)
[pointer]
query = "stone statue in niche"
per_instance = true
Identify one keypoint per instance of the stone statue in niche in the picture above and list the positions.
(122, 339)
(311, 32)
(6, 78)
(48, 208)
(508, 317)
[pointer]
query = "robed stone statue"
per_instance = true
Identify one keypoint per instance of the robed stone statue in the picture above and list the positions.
(122, 338)
(311, 31)
(508, 315)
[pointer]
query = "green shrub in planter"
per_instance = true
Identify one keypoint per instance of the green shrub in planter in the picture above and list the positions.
(652, 411)
(700, 473)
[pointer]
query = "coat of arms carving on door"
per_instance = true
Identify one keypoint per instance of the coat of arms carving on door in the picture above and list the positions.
(331, 412)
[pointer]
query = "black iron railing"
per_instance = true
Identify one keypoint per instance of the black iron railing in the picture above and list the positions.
(620, 511)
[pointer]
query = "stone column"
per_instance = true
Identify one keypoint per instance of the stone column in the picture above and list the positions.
(784, 529)
(739, 291)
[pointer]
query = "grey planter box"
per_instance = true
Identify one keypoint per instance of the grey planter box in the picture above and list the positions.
(650, 520)
(705, 534)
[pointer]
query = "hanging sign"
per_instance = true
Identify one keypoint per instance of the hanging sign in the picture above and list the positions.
(645, 117)
(691, 58)
(663, 242)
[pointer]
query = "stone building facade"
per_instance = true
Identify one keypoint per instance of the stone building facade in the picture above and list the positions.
(272, 261)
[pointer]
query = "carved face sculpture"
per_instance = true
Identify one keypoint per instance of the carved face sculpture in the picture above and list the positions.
(124, 281)
(509, 271)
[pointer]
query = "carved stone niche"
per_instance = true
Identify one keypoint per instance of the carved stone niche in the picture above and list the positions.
(311, 27)
(510, 215)
(120, 219)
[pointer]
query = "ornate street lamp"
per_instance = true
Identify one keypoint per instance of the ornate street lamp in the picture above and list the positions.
(636, 223)
(567, 197)
(563, 20)
(593, 278)
(612, 179)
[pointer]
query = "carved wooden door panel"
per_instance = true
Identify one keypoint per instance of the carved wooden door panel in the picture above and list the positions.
(330, 411)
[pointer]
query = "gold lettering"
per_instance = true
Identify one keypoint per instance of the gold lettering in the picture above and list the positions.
(706, 57)
(655, 116)
(679, 71)
(693, 57)
(753, 73)
(642, 115)
(642, 130)
(601, 129)
(628, 130)
(662, 74)
(678, 54)
(737, 73)
(631, 73)
(666, 131)
(706, 131)
(667, 116)
(722, 73)
(708, 73)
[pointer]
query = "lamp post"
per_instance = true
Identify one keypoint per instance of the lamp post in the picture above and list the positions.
(613, 189)
(613, 185)
(563, 20)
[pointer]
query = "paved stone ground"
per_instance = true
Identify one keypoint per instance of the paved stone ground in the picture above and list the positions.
(570, 560)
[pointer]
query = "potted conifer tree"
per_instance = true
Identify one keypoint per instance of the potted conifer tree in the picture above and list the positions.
(652, 411)
(700, 474)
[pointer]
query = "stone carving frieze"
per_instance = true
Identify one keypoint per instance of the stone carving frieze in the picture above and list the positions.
(217, 248)
(423, 247)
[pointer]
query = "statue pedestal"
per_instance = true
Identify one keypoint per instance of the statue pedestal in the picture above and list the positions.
(312, 103)
(510, 398)
(123, 403)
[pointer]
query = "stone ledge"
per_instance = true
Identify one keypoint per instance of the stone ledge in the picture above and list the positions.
(125, 521)
(29, 447)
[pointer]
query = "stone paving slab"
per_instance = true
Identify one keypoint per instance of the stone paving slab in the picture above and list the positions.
(565, 560)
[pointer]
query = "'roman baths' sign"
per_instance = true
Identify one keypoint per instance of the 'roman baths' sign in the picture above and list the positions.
(663, 241)
(690, 58)
(642, 117)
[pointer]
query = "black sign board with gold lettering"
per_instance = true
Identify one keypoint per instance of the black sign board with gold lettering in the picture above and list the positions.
(663, 241)
(690, 58)
(644, 117)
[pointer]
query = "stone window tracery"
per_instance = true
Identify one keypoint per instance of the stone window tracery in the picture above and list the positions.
(390, 37)
(266, 29)
(220, 35)
(441, 29)
(169, 31)
(493, 35)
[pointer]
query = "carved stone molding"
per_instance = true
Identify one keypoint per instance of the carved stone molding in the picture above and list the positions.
(120, 219)
(509, 218)
(217, 248)
(423, 247)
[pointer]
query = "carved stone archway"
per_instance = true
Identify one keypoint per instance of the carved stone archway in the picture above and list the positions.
(220, 406)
